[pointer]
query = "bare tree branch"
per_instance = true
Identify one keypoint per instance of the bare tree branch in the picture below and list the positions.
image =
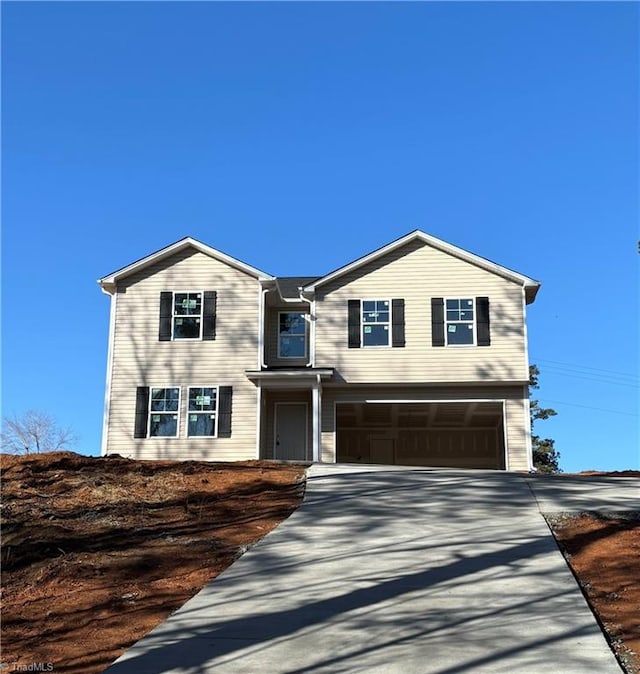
(34, 432)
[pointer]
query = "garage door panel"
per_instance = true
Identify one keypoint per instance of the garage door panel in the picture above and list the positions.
(406, 434)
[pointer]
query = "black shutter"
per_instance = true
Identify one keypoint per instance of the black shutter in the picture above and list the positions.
(166, 315)
(142, 412)
(224, 411)
(354, 323)
(482, 321)
(209, 315)
(437, 321)
(397, 323)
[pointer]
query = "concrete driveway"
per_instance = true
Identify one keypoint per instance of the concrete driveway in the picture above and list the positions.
(407, 570)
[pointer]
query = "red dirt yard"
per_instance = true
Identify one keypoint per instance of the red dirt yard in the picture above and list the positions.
(98, 551)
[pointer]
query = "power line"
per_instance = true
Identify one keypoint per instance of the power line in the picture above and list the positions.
(579, 368)
(596, 378)
(587, 407)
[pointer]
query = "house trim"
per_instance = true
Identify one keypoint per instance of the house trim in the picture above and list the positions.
(294, 373)
(506, 438)
(258, 418)
(107, 393)
(316, 405)
(527, 431)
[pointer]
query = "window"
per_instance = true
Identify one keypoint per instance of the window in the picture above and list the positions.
(375, 322)
(203, 404)
(187, 315)
(163, 412)
(208, 412)
(292, 335)
(459, 321)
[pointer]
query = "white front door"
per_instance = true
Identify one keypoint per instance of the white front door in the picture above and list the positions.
(290, 432)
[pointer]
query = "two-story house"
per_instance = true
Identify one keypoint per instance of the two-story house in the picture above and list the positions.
(414, 354)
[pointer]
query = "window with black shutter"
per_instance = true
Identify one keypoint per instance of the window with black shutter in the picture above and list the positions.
(460, 321)
(187, 315)
(373, 323)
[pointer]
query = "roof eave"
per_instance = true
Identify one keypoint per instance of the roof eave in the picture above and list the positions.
(530, 291)
(108, 283)
(529, 283)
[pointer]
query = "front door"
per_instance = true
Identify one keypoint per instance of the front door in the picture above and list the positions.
(290, 432)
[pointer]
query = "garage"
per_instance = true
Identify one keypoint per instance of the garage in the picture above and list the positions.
(465, 434)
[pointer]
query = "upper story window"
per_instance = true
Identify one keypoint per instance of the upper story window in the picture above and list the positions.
(203, 403)
(187, 315)
(164, 406)
(375, 323)
(376, 316)
(292, 334)
(460, 321)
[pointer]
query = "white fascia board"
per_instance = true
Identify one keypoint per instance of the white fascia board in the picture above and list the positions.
(108, 283)
(439, 244)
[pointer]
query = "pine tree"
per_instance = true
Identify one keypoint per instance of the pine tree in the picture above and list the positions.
(545, 456)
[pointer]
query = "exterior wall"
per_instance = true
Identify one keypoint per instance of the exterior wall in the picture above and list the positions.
(271, 339)
(515, 400)
(417, 272)
(140, 359)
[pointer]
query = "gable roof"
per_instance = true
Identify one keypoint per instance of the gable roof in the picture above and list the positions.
(108, 283)
(530, 285)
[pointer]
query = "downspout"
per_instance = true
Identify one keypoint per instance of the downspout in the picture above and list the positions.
(262, 365)
(262, 296)
(312, 327)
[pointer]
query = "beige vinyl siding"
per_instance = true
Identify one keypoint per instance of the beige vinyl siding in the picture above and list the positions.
(140, 359)
(516, 416)
(416, 273)
(272, 334)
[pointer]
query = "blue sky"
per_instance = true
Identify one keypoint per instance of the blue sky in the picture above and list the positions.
(299, 136)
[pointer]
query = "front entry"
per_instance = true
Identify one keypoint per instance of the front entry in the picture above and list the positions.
(290, 441)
